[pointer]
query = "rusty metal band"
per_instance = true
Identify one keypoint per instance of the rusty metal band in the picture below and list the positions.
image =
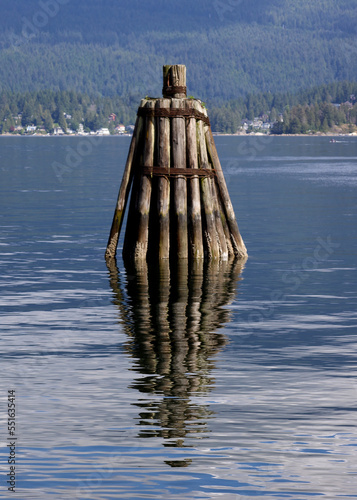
(172, 90)
(174, 113)
(175, 172)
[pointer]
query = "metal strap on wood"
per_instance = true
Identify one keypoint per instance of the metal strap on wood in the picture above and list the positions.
(175, 172)
(174, 113)
(170, 90)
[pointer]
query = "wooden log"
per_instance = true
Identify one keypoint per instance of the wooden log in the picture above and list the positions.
(123, 193)
(143, 200)
(178, 160)
(131, 232)
(163, 184)
(174, 78)
(237, 241)
(210, 234)
(194, 194)
(223, 248)
(222, 215)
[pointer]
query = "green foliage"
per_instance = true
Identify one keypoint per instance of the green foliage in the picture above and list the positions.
(316, 118)
(302, 112)
(117, 48)
(47, 108)
(306, 107)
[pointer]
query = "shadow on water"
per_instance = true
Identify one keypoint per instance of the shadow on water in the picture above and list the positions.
(171, 315)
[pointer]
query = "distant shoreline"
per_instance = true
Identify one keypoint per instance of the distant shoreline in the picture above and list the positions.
(216, 134)
(64, 135)
(318, 134)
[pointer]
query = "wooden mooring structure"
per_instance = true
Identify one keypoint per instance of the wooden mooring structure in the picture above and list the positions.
(179, 207)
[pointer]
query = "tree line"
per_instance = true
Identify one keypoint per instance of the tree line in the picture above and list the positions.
(317, 109)
(47, 109)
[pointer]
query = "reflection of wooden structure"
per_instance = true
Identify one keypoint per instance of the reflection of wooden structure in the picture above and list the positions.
(180, 206)
(171, 315)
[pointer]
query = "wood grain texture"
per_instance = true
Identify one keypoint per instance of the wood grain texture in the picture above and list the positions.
(178, 160)
(194, 194)
(237, 241)
(123, 193)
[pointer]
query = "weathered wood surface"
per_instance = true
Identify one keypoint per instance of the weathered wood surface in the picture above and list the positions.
(136, 245)
(224, 222)
(123, 193)
(194, 195)
(144, 199)
(174, 76)
(131, 232)
(178, 215)
(221, 237)
(178, 160)
(163, 184)
(210, 232)
(237, 241)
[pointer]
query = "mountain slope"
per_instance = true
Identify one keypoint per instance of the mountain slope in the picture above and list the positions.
(230, 47)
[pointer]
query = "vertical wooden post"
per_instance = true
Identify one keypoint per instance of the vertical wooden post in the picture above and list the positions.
(237, 241)
(163, 195)
(222, 215)
(131, 232)
(223, 248)
(174, 81)
(144, 193)
(211, 238)
(178, 160)
(123, 193)
(194, 196)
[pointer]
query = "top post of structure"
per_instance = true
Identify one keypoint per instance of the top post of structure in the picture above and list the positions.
(174, 84)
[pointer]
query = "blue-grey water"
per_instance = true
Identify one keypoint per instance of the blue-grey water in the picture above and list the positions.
(238, 382)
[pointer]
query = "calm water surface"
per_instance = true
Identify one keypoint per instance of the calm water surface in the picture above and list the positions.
(224, 382)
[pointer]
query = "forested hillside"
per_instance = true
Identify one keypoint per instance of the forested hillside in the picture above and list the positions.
(320, 109)
(231, 47)
(318, 104)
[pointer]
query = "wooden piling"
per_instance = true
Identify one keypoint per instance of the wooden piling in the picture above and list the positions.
(131, 232)
(194, 196)
(178, 145)
(163, 194)
(123, 193)
(221, 237)
(180, 206)
(143, 206)
(174, 81)
(237, 241)
(210, 232)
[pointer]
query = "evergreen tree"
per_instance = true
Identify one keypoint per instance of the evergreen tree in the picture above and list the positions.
(324, 125)
(295, 126)
(47, 121)
(28, 114)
